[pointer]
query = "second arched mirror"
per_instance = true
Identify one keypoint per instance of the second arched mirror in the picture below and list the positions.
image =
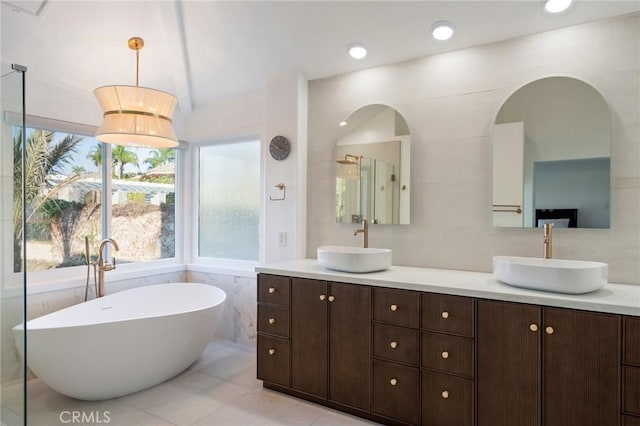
(373, 167)
(551, 156)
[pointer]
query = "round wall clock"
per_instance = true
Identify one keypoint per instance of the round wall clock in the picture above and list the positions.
(279, 148)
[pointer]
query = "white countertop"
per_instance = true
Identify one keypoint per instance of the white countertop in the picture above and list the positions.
(612, 298)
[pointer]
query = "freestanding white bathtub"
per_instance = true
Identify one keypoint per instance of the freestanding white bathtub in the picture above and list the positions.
(123, 342)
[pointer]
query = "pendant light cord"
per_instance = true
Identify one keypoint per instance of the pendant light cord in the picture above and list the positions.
(137, 66)
(136, 43)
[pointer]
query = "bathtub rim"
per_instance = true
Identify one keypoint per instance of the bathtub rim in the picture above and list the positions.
(20, 327)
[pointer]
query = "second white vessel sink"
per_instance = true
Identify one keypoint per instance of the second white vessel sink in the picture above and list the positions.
(354, 259)
(555, 275)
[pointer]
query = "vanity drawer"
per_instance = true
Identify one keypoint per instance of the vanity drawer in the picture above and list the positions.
(273, 289)
(631, 389)
(631, 344)
(446, 400)
(444, 352)
(448, 314)
(395, 391)
(273, 320)
(273, 360)
(396, 343)
(396, 307)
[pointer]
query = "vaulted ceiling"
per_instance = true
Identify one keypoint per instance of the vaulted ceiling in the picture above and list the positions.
(206, 51)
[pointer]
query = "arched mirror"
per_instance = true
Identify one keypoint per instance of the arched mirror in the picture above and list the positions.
(373, 167)
(551, 144)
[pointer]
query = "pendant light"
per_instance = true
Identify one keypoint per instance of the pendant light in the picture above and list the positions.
(134, 115)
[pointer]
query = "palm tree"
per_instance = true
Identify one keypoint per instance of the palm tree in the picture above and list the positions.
(44, 159)
(95, 155)
(122, 156)
(159, 157)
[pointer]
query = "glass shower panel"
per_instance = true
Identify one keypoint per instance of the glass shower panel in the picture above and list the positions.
(348, 193)
(12, 285)
(367, 189)
(384, 193)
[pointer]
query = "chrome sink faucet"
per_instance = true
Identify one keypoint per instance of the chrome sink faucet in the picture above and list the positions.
(546, 245)
(104, 266)
(365, 231)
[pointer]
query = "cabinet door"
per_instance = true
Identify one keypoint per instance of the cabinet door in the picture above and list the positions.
(631, 345)
(581, 361)
(349, 343)
(508, 364)
(631, 390)
(396, 390)
(446, 400)
(309, 336)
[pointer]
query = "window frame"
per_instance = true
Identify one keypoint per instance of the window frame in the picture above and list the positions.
(75, 276)
(242, 268)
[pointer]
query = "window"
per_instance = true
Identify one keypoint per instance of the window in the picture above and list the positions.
(143, 203)
(62, 198)
(229, 200)
(65, 206)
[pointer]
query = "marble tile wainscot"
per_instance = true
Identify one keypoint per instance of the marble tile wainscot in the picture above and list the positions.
(433, 337)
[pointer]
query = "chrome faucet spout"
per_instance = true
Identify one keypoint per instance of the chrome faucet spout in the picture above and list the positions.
(365, 231)
(547, 242)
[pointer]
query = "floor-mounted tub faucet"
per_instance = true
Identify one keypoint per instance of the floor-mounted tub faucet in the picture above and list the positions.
(546, 245)
(99, 266)
(104, 266)
(365, 232)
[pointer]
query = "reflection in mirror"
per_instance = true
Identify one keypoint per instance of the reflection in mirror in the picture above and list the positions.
(373, 167)
(551, 156)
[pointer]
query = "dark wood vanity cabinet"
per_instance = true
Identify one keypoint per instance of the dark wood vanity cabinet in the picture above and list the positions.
(546, 366)
(631, 371)
(417, 358)
(330, 341)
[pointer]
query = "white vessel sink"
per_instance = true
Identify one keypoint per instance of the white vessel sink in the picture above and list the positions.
(555, 275)
(354, 259)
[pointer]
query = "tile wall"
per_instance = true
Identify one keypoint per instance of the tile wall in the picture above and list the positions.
(449, 101)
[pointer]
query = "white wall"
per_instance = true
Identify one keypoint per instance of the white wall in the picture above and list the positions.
(449, 102)
(286, 115)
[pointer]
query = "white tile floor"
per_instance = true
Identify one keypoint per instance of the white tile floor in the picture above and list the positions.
(217, 390)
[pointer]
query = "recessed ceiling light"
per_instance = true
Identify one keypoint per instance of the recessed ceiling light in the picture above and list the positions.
(343, 123)
(357, 50)
(557, 6)
(442, 30)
